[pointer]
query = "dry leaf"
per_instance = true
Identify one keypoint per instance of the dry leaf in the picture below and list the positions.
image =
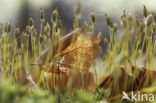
(77, 53)
(139, 79)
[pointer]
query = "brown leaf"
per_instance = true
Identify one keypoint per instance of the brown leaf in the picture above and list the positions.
(139, 79)
(77, 53)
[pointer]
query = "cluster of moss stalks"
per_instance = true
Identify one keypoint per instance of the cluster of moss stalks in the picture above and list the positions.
(22, 48)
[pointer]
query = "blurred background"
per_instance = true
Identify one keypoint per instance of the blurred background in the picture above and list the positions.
(18, 11)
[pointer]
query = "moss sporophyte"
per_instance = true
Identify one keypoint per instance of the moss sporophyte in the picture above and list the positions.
(81, 62)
